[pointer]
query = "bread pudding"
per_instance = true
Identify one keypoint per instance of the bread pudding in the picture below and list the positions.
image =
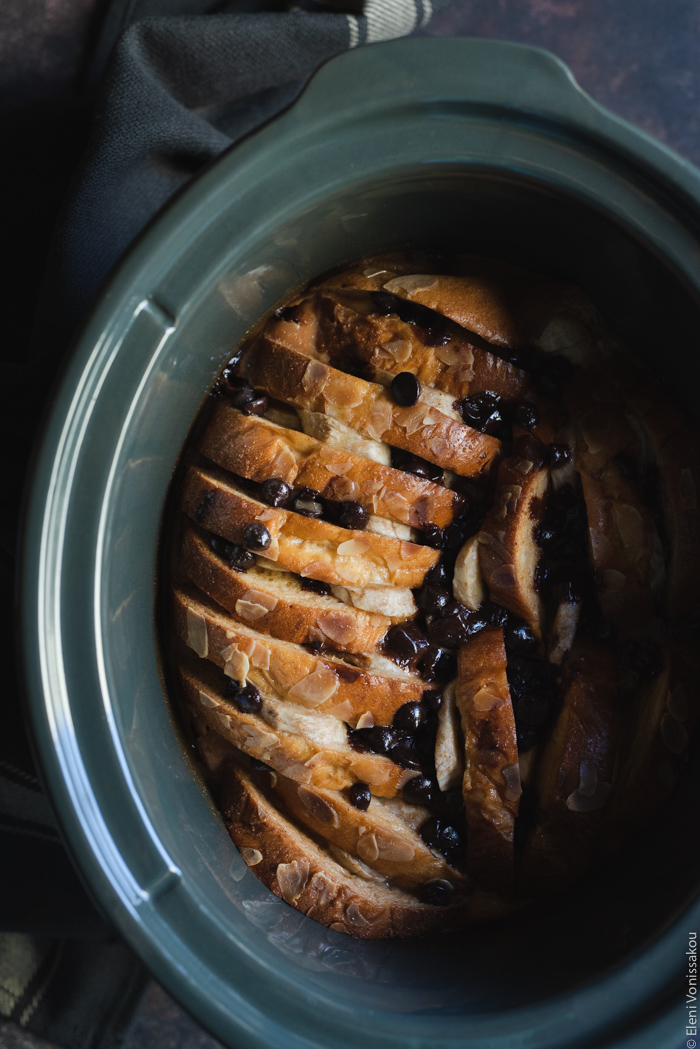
(434, 590)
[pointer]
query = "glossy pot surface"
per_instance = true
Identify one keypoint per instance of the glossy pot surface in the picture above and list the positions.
(479, 146)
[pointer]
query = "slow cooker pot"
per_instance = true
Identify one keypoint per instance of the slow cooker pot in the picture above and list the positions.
(479, 146)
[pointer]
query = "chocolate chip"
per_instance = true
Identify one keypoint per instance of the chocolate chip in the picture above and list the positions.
(256, 536)
(315, 586)
(532, 709)
(495, 615)
(412, 464)
(221, 547)
(520, 356)
(257, 407)
(438, 834)
(248, 699)
(360, 796)
(436, 664)
(482, 411)
(405, 641)
(275, 492)
(559, 455)
(437, 576)
(432, 698)
(455, 625)
(437, 893)
(259, 766)
(353, 515)
(307, 502)
(519, 637)
(405, 389)
(526, 415)
(240, 559)
(419, 791)
(434, 536)
(238, 398)
(432, 599)
(409, 717)
(381, 739)
(404, 754)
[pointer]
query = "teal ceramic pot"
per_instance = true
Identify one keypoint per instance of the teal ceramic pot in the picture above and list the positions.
(484, 147)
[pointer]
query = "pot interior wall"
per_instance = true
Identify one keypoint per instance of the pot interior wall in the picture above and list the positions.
(615, 911)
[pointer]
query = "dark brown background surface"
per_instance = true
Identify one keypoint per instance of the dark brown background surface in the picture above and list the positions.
(640, 58)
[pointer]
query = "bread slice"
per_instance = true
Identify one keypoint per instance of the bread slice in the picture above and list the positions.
(253, 447)
(289, 671)
(671, 453)
(367, 407)
(378, 836)
(305, 875)
(386, 346)
(309, 547)
(655, 733)
(575, 772)
(306, 746)
(275, 603)
(491, 785)
(508, 550)
(621, 541)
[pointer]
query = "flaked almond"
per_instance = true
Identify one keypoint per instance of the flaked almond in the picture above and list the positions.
(273, 550)
(268, 515)
(206, 701)
(251, 856)
(354, 865)
(411, 284)
(511, 774)
(630, 527)
(337, 627)
(400, 349)
(674, 734)
(379, 417)
(410, 419)
(337, 927)
(366, 720)
(353, 547)
(292, 879)
(503, 577)
(467, 582)
(312, 569)
(485, 700)
(454, 355)
(257, 652)
(339, 467)
(250, 609)
(613, 581)
(344, 489)
(367, 848)
(237, 665)
(409, 550)
(578, 802)
(318, 806)
(315, 688)
(595, 429)
(395, 504)
(268, 601)
(323, 888)
(394, 850)
(588, 774)
(524, 466)
(344, 392)
(315, 377)
(437, 446)
(355, 917)
(197, 637)
(376, 771)
(284, 465)
(344, 710)
(601, 547)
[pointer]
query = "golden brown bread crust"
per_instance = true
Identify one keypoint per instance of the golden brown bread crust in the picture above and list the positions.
(292, 613)
(253, 447)
(655, 734)
(283, 667)
(388, 345)
(621, 542)
(508, 550)
(491, 786)
(308, 878)
(383, 841)
(311, 761)
(366, 407)
(575, 772)
(329, 553)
